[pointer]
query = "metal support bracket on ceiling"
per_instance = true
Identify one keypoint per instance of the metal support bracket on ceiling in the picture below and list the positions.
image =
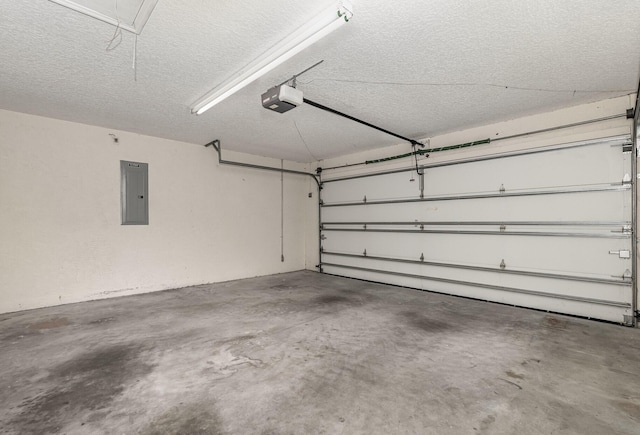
(293, 81)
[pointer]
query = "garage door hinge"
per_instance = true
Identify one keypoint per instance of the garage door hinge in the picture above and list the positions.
(323, 237)
(502, 264)
(364, 199)
(626, 229)
(422, 257)
(364, 253)
(626, 275)
(626, 179)
(627, 147)
(502, 189)
(503, 228)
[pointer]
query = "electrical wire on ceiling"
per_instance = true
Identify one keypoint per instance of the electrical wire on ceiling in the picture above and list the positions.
(116, 40)
(117, 34)
(304, 142)
(345, 5)
(493, 85)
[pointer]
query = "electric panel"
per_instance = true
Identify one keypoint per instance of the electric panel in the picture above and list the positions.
(134, 193)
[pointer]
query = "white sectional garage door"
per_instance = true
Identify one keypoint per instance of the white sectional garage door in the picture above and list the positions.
(547, 228)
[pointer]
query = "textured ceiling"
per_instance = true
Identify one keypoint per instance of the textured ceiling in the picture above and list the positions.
(416, 68)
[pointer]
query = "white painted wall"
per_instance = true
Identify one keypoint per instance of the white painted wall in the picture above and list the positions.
(60, 235)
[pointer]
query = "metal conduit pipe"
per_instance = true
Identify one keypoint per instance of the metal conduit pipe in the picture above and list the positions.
(218, 147)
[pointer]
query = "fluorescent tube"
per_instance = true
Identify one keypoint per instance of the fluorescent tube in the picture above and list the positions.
(302, 38)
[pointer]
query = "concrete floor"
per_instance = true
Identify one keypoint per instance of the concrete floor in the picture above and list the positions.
(305, 353)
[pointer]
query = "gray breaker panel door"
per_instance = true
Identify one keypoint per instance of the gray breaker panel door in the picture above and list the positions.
(134, 193)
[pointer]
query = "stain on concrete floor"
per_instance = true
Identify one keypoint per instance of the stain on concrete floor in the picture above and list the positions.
(512, 374)
(56, 322)
(424, 322)
(192, 419)
(630, 407)
(331, 300)
(102, 320)
(555, 322)
(86, 382)
(311, 353)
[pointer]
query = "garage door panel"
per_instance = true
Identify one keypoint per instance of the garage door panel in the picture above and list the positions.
(603, 163)
(391, 186)
(600, 166)
(580, 308)
(607, 206)
(615, 291)
(582, 256)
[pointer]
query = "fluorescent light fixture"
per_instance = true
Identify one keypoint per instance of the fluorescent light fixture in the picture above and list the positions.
(130, 15)
(302, 38)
